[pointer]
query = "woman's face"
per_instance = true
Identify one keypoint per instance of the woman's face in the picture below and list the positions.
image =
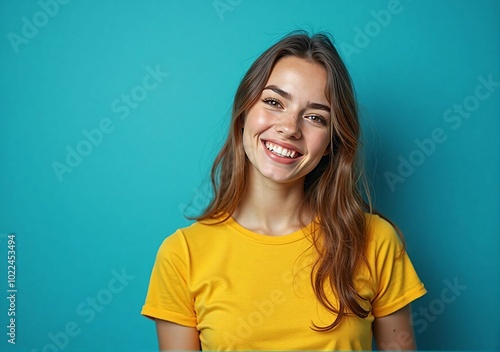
(287, 132)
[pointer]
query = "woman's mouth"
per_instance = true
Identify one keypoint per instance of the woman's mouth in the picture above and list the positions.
(281, 151)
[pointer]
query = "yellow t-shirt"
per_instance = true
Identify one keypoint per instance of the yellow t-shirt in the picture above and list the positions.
(248, 291)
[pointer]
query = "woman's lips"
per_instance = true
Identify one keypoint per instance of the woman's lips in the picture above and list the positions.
(281, 152)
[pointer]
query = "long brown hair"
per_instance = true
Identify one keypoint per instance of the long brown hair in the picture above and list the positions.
(332, 189)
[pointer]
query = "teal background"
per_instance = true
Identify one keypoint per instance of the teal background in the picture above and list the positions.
(107, 217)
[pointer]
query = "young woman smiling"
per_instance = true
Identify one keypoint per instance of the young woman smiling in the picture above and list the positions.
(288, 255)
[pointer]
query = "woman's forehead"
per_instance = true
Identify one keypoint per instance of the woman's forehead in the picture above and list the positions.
(300, 79)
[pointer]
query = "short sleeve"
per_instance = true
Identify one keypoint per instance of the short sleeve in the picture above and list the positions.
(397, 283)
(168, 296)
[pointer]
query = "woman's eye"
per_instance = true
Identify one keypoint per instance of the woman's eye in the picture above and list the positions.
(317, 119)
(273, 102)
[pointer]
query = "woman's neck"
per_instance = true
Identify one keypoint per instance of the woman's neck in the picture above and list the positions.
(271, 208)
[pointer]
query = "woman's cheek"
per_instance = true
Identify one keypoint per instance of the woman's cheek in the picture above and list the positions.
(263, 119)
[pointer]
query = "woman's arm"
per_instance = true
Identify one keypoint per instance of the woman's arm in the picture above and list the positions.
(176, 337)
(395, 331)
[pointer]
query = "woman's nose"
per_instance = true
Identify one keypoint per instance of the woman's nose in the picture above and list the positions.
(289, 126)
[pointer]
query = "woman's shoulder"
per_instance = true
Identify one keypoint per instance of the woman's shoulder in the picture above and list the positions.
(377, 223)
(380, 230)
(197, 233)
(384, 246)
(201, 239)
(202, 228)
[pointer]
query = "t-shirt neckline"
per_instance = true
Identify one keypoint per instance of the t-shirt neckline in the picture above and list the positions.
(268, 239)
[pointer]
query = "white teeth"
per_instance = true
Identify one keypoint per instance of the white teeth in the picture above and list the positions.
(278, 150)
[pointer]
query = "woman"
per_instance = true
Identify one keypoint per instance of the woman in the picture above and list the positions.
(287, 256)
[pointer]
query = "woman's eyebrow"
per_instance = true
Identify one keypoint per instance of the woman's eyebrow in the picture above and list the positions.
(288, 96)
(279, 91)
(319, 106)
